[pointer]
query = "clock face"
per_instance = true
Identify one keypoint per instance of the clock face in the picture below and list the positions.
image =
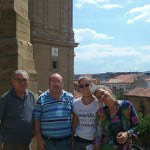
(54, 51)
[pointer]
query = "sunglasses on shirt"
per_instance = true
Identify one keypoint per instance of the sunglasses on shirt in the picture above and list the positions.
(85, 85)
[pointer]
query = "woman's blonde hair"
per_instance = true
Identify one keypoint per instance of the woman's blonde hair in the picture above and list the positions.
(106, 89)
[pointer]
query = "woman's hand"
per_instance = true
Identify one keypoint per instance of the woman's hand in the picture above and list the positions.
(122, 137)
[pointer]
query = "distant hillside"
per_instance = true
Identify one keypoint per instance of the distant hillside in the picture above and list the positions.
(108, 75)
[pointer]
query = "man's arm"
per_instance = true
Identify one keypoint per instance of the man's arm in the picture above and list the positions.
(40, 140)
(3, 102)
(37, 129)
(75, 122)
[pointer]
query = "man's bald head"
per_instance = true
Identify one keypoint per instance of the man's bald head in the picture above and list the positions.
(56, 85)
(56, 75)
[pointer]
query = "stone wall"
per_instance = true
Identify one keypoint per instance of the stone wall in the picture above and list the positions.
(16, 51)
(51, 27)
(141, 104)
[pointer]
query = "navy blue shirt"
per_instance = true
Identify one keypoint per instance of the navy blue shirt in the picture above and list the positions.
(16, 116)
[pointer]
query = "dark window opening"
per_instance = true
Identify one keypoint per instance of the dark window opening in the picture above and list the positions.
(54, 64)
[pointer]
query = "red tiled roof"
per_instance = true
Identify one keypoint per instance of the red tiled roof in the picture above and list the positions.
(130, 78)
(75, 82)
(147, 79)
(77, 94)
(141, 92)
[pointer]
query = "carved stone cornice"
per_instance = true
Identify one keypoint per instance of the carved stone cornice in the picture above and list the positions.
(55, 42)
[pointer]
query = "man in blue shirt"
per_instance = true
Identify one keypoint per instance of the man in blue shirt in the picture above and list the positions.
(16, 114)
(52, 116)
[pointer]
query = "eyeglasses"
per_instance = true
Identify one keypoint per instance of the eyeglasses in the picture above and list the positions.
(20, 80)
(85, 85)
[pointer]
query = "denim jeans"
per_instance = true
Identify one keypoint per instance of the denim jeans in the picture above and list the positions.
(80, 145)
(7, 146)
(58, 145)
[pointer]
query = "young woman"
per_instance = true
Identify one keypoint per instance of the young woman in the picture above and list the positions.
(119, 122)
(84, 116)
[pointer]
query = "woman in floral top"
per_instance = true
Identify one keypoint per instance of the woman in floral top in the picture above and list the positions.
(118, 122)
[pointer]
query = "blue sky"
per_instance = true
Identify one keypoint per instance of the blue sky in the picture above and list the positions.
(114, 35)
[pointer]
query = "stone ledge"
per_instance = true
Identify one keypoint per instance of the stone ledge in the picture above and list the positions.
(56, 42)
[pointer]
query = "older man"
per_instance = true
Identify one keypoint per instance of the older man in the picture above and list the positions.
(16, 111)
(53, 116)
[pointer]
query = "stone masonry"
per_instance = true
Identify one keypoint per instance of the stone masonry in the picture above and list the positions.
(16, 51)
(51, 29)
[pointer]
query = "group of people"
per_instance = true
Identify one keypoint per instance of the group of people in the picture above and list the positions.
(95, 121)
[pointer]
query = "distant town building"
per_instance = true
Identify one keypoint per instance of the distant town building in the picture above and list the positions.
(147, 80)
(124, 83)
(77, 94)
(140, 97)
(106, 76)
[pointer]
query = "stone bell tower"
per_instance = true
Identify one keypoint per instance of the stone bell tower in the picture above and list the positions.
(53, 40)
(16, 51)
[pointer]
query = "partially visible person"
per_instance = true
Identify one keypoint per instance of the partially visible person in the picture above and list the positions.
(84, 116)
(119, 122)
(52, 116)
(16, 113)
(36, 95)
(39, 92)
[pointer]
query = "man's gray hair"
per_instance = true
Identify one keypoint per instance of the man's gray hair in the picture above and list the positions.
(22, 72)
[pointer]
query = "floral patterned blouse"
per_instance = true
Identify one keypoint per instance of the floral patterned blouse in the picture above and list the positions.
(108, 127)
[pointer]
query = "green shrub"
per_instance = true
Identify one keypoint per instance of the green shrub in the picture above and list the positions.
(144, 125)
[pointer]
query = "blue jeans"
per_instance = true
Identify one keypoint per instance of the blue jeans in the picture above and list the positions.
(81, 144)
(58, 145)
(7, 146)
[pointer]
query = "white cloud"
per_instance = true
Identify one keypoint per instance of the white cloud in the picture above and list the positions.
(110, 6)
(95, 51)
(80, 3)
(106, 58)
(104, 4)
(140, 13)
(87, 34)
